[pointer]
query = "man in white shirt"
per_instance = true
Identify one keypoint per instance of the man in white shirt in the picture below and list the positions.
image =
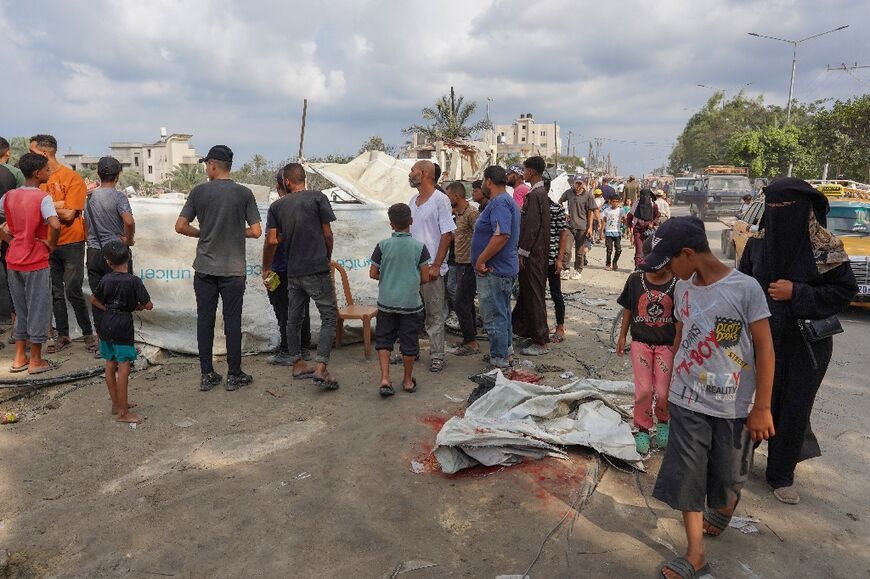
(432, 225)
(663, 206)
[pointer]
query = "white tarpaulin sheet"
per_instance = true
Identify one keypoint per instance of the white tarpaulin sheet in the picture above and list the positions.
(373, 177)
(163, 260)
(516, 420)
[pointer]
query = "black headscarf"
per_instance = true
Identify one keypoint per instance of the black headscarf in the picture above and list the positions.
(645, 210)
(787, 246)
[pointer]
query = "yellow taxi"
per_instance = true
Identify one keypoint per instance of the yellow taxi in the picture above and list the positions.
(848, 219)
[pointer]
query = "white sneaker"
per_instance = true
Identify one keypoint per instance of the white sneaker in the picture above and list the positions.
(566, 274)
(575, 275)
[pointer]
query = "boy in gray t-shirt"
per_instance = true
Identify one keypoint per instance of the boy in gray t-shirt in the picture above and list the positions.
(721, 386)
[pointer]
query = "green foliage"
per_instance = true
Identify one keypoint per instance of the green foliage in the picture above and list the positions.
(747, 133)
(18, 146)
(375, 143)
(185, 177)
(131, 179)
(449, 120)
(256, 171)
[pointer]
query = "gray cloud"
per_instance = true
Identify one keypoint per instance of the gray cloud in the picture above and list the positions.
(94, 72)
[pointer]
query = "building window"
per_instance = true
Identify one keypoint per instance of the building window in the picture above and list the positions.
(136, 161)
(150, 169)
(502, 133)
(543, 133)
(149, 153)
(523, 139)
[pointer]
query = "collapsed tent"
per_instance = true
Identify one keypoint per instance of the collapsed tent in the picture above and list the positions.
(373, 177)
(517, 420)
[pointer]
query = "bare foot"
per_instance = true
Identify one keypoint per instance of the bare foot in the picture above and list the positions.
(130, 417)
(129, 405)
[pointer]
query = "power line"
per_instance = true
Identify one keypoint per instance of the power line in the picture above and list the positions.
(850, 70)
(627, 141)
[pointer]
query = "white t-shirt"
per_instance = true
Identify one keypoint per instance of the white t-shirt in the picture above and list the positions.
(432, 219)
(612, 219)
(664, 210)
(714, 366)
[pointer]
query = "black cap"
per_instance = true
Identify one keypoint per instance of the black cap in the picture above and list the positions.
(219, 153)
(108, 166)
(673, 236)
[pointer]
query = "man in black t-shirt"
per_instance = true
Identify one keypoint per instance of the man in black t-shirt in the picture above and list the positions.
(300, 222)
(223, 208)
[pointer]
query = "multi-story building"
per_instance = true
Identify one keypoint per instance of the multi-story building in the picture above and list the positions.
(526, 137)
(153, 161)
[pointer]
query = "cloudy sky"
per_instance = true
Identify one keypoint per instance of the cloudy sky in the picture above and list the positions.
(96, 71)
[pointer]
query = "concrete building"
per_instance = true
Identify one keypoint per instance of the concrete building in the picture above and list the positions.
(526, 137)
(153, 161)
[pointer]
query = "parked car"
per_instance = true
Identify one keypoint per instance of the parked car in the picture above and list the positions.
(718, 191)
(849, 219)
(681, 186)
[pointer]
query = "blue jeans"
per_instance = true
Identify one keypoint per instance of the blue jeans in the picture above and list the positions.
(495, 306)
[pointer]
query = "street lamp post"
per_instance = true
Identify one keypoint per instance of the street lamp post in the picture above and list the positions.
(794, 44)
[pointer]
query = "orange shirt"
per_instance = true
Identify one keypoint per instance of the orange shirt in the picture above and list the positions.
(68, 186)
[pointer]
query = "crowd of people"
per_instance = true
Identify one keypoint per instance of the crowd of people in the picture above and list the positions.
(722, 358)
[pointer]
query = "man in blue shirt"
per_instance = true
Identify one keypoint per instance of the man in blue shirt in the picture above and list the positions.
(496, 263)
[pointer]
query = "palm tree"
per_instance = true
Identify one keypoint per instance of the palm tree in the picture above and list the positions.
(185, 177)
(448, 120)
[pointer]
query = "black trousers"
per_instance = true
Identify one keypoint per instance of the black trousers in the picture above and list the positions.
(97, 268)
(231, 291)
(555, 282)
(613, 247)
(463, 305)
(67, 275)
(281, 304)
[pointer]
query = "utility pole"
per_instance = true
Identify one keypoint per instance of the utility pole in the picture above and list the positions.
(301, 156)
(569, 143)
(555, 146)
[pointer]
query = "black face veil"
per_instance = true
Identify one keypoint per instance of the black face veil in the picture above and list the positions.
(788, 250)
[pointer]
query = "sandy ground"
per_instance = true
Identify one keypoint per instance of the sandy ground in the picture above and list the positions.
(281, 480)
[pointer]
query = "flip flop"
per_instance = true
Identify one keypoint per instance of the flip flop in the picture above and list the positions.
(326, 382)
(464, 350)
(556, 338)
(436, 365)
(386, 390)
(51, 365)
(22, 368)
(304, 375)
(413, 388)
(684, 569)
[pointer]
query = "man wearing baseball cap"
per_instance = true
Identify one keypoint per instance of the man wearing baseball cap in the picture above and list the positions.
(109, 218)
(582, 213)
(227, 214)
(515, 180)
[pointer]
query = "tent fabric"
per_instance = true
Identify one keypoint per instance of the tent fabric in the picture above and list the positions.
(518, 420)
(373, 177)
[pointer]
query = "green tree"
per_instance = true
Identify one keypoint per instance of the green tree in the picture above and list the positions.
(375, 143)
(18, 146)
(449, 119)
(843, 137)
(257, 171)
(769, 151)
(131, 179)
(185, 177)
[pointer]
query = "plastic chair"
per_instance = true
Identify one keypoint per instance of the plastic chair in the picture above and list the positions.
(352, 312)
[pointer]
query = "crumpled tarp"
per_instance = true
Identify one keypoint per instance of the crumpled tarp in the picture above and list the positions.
(517, 420)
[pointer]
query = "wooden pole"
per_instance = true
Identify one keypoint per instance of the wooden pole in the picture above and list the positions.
(301, 156)
(555, 147)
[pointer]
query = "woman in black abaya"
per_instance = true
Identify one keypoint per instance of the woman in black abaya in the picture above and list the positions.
(806, 275)
(642, 219)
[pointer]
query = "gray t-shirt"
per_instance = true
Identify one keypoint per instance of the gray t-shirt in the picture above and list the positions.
(223, 208)
(103, 216)
(714, 367)
(579, 207)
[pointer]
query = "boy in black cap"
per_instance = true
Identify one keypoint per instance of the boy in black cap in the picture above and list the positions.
(721, 386)
(223, 208)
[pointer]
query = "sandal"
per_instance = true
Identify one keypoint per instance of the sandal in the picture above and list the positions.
(58, 345)
(326, 381)
(556, 338)
(436, 365)
(50, 365)
(22, 368)
(463, 350)
(307, 375)
(717, 520)
(684, 569)
(386, 390)
(413, 388)
(91, 343)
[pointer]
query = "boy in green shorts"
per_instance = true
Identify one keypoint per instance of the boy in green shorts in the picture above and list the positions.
(399, 263)
(118, 294)
(721, 384)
